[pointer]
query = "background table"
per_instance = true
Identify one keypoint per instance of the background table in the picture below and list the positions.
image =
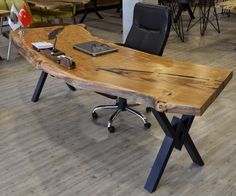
(57, 4)
(230, 4)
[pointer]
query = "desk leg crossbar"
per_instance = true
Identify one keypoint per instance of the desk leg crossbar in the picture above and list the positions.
(176, 135)
(40, 84)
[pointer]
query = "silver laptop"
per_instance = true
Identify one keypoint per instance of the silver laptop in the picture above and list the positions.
(95, 48)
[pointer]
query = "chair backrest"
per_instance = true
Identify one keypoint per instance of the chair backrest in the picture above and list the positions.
(150, 29)
(18, 4)
(3, 5)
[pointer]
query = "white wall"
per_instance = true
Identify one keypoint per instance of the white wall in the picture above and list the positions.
(128, 9)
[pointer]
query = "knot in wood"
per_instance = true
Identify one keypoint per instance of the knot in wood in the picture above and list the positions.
(161, 106)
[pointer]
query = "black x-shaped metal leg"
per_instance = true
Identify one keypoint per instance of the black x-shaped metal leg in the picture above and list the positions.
(91, 7)
(40, 85)
(204, 16)
(176, 135)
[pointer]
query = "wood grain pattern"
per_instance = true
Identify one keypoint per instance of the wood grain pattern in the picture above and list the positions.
(164, 84)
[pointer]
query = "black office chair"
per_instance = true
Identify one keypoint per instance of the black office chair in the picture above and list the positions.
(149, 33)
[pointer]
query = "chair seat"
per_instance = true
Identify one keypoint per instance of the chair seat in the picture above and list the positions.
(119, 106)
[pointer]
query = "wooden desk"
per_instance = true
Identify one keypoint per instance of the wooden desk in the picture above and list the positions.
(163, 84)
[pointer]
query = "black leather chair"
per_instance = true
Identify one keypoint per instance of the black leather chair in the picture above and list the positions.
(149, 33)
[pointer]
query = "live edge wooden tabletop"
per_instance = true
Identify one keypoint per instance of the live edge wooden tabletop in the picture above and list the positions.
(164, 84)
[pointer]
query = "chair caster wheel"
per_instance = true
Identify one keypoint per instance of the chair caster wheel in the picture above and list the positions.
(94, 116)
(111, 129)
(147, 125)
(148, 109)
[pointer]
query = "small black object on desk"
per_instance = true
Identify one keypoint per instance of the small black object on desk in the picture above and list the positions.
(53, 35)
(51, 52)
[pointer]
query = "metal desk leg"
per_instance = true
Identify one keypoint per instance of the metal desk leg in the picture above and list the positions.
(73, 15)
(71, 87)
(89, 9)
(84, 16)
(159, 164)
(9, 49)
(39, 86)
(176, 136)
(1, 24)
(41, 14)
(96, 9)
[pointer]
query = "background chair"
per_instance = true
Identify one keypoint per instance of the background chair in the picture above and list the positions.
(3, 6)
(149, 33)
